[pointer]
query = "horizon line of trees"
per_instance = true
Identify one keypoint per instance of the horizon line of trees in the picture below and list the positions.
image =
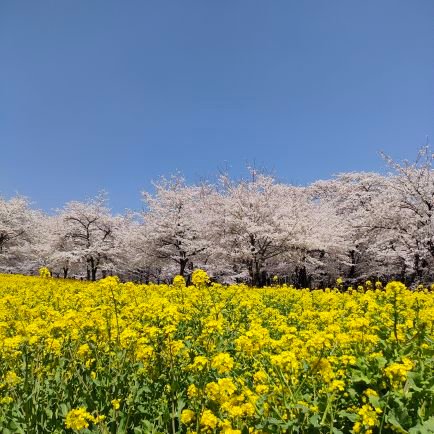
(356, 226)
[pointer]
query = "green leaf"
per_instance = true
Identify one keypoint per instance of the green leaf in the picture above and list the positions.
(351, 416)
(427, 427)
(352, 392)
(391, 419)
(315, 420)
(274, 421)
(374, 401)
(64, 409)
(359, 376)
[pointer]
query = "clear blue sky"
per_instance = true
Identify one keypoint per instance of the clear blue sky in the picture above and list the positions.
(99, 94)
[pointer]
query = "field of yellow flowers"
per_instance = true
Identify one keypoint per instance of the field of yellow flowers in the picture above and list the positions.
(108, 357)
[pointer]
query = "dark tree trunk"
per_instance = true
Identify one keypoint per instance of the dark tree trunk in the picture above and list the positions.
(65, 272)
(302, 277)
(417, 270)
(257, 275)
(263, 279)
(92, 267)
(403, 271)
(182, 266)
(352, 272)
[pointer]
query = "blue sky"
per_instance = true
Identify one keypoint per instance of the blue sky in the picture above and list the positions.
(112, 94)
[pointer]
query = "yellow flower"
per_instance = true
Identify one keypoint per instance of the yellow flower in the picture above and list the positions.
(233, 409)
(187, 416)
(54, 346)
(83, 351)
(286, 360)
(89, 363)
(178, 281)
(199, 363)
(222, 362)
(192, 391)
(199, 278)
(12, 379)
(6, 400)
(397, 372)
(260, 377)
(248, 409)
(337, 385)
(212, 390)
(44, 272)
(99, 419)
(78, 419)
(213, 326)
(357, 427)
(261, 389)
(226, 387)
(251, 345)
(230, 430)
(367, 418)
(208, 419)
(348, 359)
(116, 403)
(370, 392)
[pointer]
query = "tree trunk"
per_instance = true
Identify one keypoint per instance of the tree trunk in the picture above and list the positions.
(417, 270)
(352, 272)
(257, 275)
(302, 278)
(182, 266)
(403, 271)
(65, 272)
(92, 268)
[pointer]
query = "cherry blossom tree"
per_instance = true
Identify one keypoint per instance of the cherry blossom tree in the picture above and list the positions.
(355, 198)
(408, 221)
(17, 232)
(174, 224)
(267, 227)
(355, 225)
(88, 234)
(56, 250)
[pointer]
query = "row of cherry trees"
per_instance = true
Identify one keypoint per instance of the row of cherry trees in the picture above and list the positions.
(356, 226)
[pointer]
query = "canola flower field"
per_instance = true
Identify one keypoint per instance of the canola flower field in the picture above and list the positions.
(109, 357)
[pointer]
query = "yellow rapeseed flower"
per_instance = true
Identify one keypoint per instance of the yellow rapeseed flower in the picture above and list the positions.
(116, 404)
(199, 278)
(222, 362)
(78, 418)
(209, 420)
(187, 416)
